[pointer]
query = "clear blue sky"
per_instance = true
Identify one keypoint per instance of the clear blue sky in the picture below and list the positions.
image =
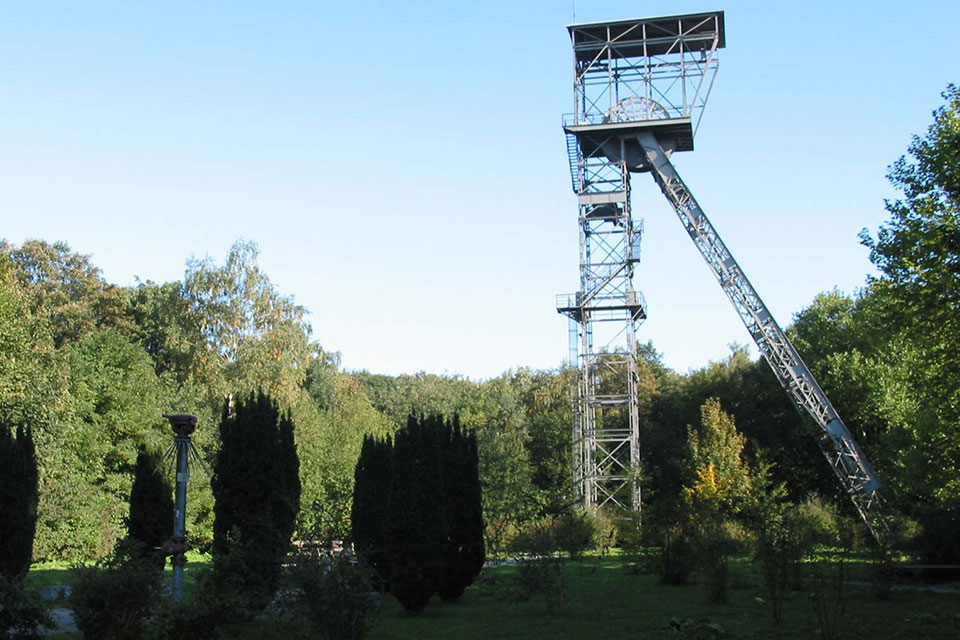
(403, 169)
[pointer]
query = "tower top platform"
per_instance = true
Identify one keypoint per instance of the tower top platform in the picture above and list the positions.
(647, 37)
(644, 75)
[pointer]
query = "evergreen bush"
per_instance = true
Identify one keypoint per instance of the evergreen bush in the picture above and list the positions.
(21, 615)
(151, 507)
(417, 511)
(18, 500)
(463, 552)
(257, 491)
(112, 600)
(415, 524)
(368, 513)
(334, 593)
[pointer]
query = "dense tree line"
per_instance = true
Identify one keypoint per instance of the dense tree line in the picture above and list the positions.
(90, 367)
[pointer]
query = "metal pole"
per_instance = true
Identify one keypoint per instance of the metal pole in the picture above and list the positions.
(183, 425)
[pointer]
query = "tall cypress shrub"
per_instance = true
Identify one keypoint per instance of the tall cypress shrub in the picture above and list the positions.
(151, 506)
(420, 501)
(473, 550)
(289, 503)
(18, 500)
(451, 579)
(414, 524)
(463, 550)
(368, 515)
(257, 490)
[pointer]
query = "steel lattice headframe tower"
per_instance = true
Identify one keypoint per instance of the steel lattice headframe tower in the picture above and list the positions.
(640, 87)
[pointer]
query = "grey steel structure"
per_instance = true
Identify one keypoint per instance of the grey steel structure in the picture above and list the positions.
(640, 88)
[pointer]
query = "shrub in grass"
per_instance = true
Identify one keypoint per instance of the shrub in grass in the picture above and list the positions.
(20, 614)
(257, 491)
(112, 600)
(371, 493)
(780, 534)
(828, 597)
(334, 594)
(540, 571)
(630, 541)
(219, 607)
(415, 524)
(713, 547)
(462, 551)
(672, 530)
(605, 531)
(18, 499)
(574, 532)
(543, 575)
(151, 507)
(194, 620)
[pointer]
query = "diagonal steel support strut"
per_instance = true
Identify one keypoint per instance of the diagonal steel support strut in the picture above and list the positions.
(838, 445)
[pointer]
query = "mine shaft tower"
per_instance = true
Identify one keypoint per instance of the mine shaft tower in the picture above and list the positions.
(640, 87)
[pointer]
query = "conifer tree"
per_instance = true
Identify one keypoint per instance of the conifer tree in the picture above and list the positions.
(18, 500)
(462, 551)
(414, 524)
(290, 489)
(371, 493)
(473, 550)
(151, 505)
(256, 486)
(419, 500)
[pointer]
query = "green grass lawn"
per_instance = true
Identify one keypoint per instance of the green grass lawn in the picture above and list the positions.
(609, 601)
(61, 573)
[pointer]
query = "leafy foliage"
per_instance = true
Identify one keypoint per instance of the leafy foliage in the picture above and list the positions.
(91, 366)
(111, 601)
(21, 615)
(334, 594)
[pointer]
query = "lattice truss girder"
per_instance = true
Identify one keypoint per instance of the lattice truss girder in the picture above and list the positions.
(610, 253)
(607, 308)
(648, 70)
(837, 443)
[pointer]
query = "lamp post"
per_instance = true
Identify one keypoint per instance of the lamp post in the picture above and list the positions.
(183, 424)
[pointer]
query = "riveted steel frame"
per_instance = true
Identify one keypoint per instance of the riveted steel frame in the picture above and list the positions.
(639, 92)
(606, 310)
(665, 64)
